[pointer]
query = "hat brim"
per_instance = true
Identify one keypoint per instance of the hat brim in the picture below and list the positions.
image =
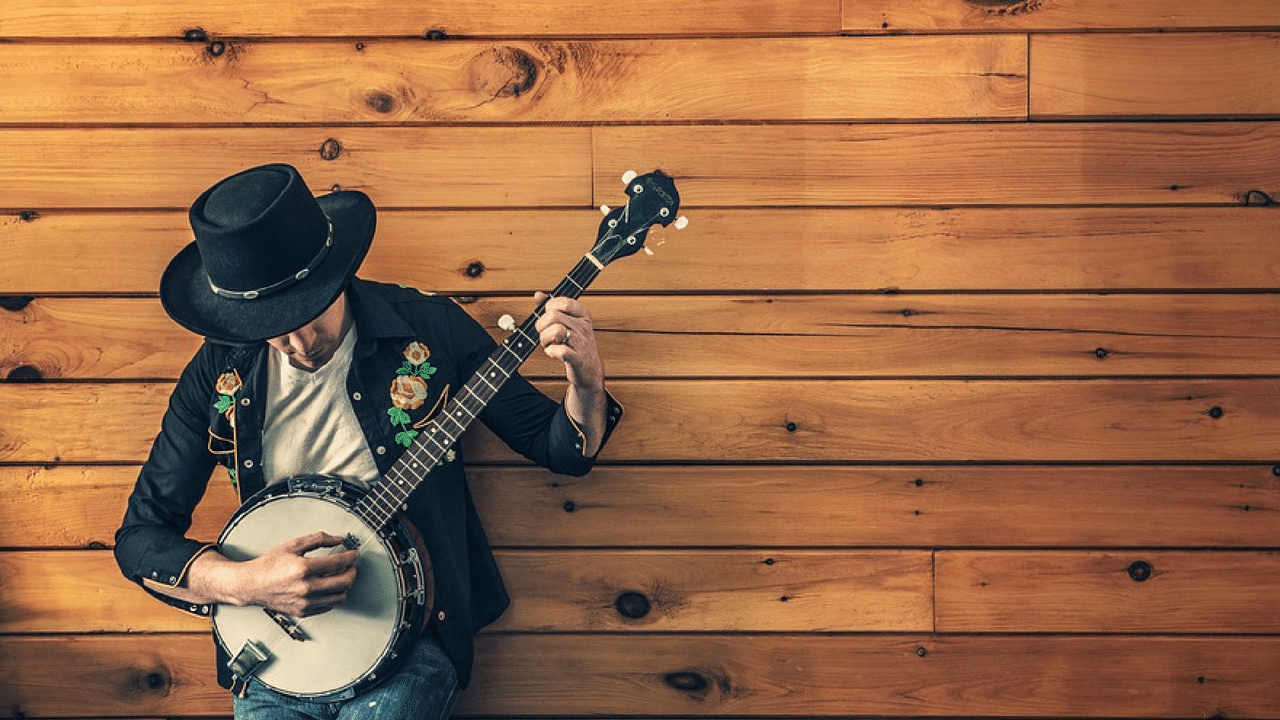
(188, 298)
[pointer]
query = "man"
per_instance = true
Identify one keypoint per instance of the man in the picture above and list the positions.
(308, 369)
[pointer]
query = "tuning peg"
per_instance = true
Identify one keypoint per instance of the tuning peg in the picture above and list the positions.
(506, 322)
(681, 222)
(647, 251)
(604, 209)
(628, 176)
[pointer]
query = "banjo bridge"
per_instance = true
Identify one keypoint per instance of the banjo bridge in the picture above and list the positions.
(286, 623)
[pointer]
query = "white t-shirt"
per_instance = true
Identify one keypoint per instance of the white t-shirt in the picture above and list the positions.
(310, 427)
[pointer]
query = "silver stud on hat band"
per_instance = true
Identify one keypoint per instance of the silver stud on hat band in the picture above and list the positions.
(281, 285)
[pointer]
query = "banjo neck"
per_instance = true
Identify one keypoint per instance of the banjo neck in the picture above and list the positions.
(428, 449)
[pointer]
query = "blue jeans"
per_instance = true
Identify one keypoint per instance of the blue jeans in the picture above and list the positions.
(424, 687)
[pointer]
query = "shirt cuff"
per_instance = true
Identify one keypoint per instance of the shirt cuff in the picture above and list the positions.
(567, 434)
(165, 572)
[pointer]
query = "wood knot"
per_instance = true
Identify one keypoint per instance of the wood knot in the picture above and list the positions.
(29, 215)
(195, 35)
(380, 102)
(503, 72)
(689, 682)
(330, 149)
(217, 48)
(474, 269)
(156, 681)
(24, 373)
(1258, 198)
(632, 605)
(435, 34)
(1139, 570)
(15, 303)
(1006, 7)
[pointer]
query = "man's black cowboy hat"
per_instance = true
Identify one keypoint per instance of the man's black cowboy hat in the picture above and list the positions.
(268, 257)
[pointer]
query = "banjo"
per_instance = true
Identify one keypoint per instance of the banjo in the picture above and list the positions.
(337, 654)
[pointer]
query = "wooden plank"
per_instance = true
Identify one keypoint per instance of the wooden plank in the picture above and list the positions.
(756, 336)
(1197, 74)
(1147, 421)
(944, 506)
(80, 592)
(565, 590)
(168, 168)
(717, 675)
(1138, 421)
(674, 590)
(168, 675)
(343, 18)
(816, 249)
(1135, 591)
(398, 81)
(950, 164)
(866, 16)
(766, 507)
(71, 506)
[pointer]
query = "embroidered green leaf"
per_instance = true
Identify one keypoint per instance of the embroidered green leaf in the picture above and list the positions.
(235, 479)
(405, 437)
(224, 402)
(426, 370)
(398, 416)
(406, 369)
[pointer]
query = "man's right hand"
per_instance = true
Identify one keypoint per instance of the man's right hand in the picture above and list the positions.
(282, 579)
(285, 579)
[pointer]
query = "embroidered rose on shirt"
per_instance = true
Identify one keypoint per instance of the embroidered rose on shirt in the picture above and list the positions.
(409, 390)
(417, 353)
(227, 386)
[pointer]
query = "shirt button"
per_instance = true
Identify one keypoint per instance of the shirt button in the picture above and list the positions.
(355, 396)
(381, 450)
(440, 616)
(244, 402)
(248, 463)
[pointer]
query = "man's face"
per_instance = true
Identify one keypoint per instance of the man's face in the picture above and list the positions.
(312, 345)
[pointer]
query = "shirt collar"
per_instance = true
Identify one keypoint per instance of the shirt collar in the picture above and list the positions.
(374, 315)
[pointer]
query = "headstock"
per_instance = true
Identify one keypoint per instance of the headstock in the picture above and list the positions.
(652, 200)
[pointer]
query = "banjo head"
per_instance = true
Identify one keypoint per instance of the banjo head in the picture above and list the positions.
(335, 654)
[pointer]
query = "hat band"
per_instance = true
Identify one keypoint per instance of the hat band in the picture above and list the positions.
(281, 285)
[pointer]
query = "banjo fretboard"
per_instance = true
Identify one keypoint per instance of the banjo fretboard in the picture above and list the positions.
(429, 448)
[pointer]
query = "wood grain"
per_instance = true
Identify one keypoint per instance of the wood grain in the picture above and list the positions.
(1154, 75)
(855, 506)
(70, 506)
(713, 675)
(946, 164)
(170, 167)
(619, 590)
(1015, 15)
(755, 336)
(580, 81)
(475, 252)
(1228, 506)
(344, 18)
(1134, 591)
(1148, 421)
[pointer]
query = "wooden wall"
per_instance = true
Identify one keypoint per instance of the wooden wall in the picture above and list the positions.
(960, 397)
